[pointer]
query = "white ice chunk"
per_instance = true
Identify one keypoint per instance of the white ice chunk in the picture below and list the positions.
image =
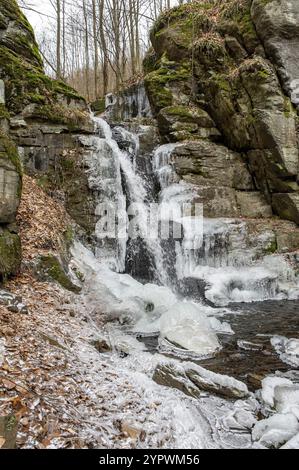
(268, 388)
(288, 349)
(276, 430)
(286, 399)
(186, 325)
(292, 443)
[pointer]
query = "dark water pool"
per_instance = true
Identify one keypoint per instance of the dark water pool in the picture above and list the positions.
(253, 323)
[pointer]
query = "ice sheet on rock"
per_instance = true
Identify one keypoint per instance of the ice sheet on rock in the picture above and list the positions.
(268, 388)
(292, 443)
(286, 399)
(264, 281)
(288, 349)
(162, 166)
(149, 308)
(276, 430)
(194, 380)
(186, 325)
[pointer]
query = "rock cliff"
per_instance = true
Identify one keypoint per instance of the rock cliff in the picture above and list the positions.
(40, 120)
(221, 77)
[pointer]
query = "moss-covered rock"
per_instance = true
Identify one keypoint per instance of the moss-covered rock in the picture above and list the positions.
(228, 76)
(50, 268)
(10, 254)
(21, 68)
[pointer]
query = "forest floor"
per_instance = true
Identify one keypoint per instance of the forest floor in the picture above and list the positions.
(56, 388)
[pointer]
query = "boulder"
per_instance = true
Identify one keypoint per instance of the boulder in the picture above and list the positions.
(194, 380)
(253, 205)
(277, 24)
(10, 253)
(286, 205)
(10, 180)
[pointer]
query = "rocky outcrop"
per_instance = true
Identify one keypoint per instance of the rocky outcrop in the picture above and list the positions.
(194, 380)
(41, 120)
(222, 75)
(277, 24)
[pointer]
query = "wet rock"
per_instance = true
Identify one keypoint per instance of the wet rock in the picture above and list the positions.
(287, 206)
(194, 380)
(253, 205)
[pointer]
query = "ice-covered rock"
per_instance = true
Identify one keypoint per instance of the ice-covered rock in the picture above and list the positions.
(288, 349)
(269, 385)
(292, 443)
(147, 308)
(194, 380)
(276, 430)
(286, 399)
(185, 325)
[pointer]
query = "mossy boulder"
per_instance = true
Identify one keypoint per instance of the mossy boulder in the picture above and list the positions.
(21, 69)
(49, 267)
(10, 180)
(10, 253)
(175, 120)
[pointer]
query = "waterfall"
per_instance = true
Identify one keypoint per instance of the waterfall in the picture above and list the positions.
(112, 173)
(212, 258)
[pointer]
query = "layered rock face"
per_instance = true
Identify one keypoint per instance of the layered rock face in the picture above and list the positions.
(40, 122)
(221, 78)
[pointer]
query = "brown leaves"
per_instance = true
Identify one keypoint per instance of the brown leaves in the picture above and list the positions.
(42, 220)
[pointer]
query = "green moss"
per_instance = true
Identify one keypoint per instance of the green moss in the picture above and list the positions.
(10, 254)
(69, 236)
(4, 114)
(166, 73)
(222, 82)
(288, 108)
(26, 84)
(10, 152)
(51, 267)
(60, 114)
(23, 40)
(263, 74)
(210, 46)
(99, 106)
(150, 60)
(187, 11)
(272, 247)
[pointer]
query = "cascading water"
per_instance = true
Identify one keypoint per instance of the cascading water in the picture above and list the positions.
(218, 254)
(107, 164)
(211, 259)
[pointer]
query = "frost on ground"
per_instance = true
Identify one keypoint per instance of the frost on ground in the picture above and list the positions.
(63, 392)
(66, 393)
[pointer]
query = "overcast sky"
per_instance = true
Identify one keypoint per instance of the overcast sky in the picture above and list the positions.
(38, 21)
